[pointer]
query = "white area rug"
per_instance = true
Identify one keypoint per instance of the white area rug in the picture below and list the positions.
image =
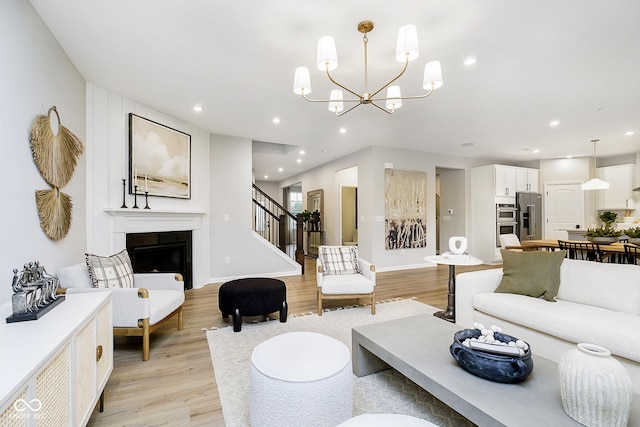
(384, 392)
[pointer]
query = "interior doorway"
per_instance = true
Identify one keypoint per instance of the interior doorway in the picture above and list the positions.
(450, 215)
(345, 229)
(349, 215)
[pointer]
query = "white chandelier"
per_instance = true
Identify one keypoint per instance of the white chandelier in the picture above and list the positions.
(327, 60)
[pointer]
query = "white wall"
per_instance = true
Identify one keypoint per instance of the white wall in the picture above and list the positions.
(35, 74)
(272, 190)
(230, 206)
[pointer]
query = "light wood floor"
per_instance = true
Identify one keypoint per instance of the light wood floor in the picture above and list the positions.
(177, 385)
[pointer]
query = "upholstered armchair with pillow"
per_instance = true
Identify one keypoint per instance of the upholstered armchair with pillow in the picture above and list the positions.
(341, 274)
(140, 302)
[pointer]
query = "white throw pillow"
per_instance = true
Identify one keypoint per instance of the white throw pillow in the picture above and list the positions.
(114, 271)
(339, 260)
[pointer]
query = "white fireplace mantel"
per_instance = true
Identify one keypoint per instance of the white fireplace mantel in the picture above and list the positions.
(150, 220)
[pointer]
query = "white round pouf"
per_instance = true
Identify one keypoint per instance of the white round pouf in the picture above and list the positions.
(594, 387)
(300, 379)
(386, 420)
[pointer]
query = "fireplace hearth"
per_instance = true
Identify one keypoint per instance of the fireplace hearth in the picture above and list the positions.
(162, 252)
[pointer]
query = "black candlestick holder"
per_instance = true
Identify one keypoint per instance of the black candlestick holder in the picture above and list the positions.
(146, 200)
(135, 197)
(124, 192)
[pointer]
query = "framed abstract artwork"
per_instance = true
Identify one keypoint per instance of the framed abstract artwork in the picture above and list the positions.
(159, 159)
(405, 209)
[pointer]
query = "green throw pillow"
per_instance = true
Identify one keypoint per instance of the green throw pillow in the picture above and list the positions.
(532, 273)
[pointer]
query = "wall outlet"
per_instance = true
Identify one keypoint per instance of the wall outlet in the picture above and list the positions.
(226, 217)
(227, 260)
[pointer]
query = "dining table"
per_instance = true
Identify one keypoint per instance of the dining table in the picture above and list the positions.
(608, 250)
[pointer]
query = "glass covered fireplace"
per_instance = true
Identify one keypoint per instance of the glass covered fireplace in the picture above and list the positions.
(162, 252)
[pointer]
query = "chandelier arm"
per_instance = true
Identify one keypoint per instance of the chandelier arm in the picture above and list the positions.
(406, 97)
(330, 100)
(341, 86)
(382, 109)
(346, 111)
(406, 64)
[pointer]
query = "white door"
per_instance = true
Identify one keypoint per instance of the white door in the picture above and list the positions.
(564, 208)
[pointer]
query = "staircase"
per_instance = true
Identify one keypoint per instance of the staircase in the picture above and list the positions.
(277, 225)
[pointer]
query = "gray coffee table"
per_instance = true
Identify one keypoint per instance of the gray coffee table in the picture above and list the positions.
(418, 347)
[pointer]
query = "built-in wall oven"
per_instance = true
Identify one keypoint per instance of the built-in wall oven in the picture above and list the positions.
(506, 220)
(506, 212)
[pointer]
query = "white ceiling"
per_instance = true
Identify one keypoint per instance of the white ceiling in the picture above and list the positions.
(576, 61)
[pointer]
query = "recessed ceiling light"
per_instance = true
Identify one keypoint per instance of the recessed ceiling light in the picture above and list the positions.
(276, 120)
(569, 157)
(629, 133)
(554, 123)
(197, 108)
(302, 152)
(470, 61)
(535, 150)
(299, 161)
(343, 130)
(467, 144)
(266, 177)
(280, 169)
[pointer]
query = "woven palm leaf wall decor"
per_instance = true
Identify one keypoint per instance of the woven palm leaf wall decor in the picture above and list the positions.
(55, 211)
(55, 155)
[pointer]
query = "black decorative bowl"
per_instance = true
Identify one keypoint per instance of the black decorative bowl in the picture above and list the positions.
(493, 367)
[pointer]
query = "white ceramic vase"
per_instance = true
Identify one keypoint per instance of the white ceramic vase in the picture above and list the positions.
(458, 245)
(595, 388)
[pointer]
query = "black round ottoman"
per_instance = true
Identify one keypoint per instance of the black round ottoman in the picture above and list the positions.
(252, 297)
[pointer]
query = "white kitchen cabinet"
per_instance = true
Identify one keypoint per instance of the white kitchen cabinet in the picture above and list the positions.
(505, 180)
(527, 179)
(54, 369)
(621, 181)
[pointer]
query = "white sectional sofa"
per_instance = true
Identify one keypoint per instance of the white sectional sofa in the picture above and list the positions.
(596, 303)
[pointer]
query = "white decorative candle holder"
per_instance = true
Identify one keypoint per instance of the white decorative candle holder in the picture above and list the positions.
(594, 387)
(458, 245)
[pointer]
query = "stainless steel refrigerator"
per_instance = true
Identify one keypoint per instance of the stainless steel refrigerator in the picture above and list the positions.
(529, 207)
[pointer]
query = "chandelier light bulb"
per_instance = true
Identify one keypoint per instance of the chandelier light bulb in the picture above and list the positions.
(407, 45)
(327, 58)
(302, 81)
(393, 98)
(336, 105)
(432, 76)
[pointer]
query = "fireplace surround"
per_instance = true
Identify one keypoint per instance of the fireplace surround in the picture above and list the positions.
(162, 252)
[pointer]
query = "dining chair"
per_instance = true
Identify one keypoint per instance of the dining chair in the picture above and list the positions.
(631, 254)
(512, 243)
(587, 251)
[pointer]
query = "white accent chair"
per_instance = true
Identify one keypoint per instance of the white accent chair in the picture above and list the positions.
(347, 283)
(137, 311)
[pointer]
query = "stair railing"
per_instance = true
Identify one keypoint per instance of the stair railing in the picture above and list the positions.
(277, 225)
